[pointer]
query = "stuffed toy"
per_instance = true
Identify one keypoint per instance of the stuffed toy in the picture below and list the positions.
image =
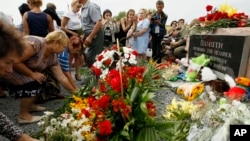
(207, 74)
(243, 81)
(190, 91)
(183, 63)
(235, 93)
(219, 86)
(195, 66)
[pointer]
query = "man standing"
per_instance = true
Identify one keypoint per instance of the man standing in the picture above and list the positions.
(158, 30)
(91, 19)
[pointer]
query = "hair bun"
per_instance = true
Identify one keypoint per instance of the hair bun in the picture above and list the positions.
(75, 41)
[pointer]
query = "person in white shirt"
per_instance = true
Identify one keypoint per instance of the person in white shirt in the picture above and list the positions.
(71, 24)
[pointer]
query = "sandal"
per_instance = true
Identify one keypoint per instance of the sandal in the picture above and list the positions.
(77, 77)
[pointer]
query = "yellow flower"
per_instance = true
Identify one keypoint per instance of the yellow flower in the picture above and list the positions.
(189, 107)
(79, 103)
(227, 9)
(182, 105)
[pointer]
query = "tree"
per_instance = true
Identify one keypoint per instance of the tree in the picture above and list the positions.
(120, 15)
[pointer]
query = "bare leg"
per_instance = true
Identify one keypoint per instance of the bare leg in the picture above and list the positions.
(77, 64)
(25, 106)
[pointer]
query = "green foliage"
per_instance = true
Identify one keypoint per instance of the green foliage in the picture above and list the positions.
(120, 15)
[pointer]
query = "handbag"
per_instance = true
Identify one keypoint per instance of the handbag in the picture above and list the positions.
(149, 52)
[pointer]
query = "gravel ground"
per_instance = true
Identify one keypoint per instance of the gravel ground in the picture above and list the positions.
(10, 107)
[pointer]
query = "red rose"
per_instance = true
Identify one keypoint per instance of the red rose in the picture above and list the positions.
(115, 84)
(210, 17)
(85, 112)
(202, 19)
(135, 53)
(105, 128)
(103, 102)
(100, 57)
(96, 71)
(107, 62)
(90, 100)
(209, 8)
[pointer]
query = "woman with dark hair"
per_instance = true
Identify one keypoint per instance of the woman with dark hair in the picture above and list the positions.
(110, 27)
(11, 47)
(51, 10)
(24, 7)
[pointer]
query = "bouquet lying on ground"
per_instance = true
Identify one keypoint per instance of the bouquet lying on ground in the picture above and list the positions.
(224, 17)
(119, 108)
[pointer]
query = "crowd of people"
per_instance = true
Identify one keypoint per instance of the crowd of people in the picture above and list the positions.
(36, 59)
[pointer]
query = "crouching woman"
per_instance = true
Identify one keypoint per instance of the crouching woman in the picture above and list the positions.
(28, 77)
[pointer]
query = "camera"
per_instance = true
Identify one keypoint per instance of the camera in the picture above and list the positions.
(166, 40)
(153, 18)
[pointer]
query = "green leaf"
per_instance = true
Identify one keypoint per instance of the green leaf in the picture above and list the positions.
(146, 96)
(143, 108)
(134, 94)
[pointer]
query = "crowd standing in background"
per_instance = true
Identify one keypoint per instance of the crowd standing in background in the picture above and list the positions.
(54, 45)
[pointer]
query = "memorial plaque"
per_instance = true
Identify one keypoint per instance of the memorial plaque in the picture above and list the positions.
(229, 54)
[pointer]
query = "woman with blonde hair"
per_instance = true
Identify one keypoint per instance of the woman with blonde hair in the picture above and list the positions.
(141, 34)
(28, 77)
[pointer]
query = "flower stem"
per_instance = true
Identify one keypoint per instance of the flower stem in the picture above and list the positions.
(120, 67)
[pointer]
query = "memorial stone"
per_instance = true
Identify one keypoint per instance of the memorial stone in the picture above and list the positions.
(228, 50)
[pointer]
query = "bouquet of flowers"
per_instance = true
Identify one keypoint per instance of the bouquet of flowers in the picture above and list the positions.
(180, 112)
(212, 123)
(223, 17)
(119, 107)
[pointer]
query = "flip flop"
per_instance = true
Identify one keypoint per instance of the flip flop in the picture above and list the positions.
(34, 119)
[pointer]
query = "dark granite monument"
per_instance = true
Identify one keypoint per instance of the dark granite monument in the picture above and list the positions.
(229, 54)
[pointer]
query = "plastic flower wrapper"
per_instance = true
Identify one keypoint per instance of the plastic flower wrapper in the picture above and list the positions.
(180, 112)
(214, 123)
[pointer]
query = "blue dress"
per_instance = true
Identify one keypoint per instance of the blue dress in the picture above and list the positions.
(141, 42)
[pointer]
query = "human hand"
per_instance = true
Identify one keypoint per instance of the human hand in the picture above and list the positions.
(75, 34)
(39, 77)
(88, 41)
